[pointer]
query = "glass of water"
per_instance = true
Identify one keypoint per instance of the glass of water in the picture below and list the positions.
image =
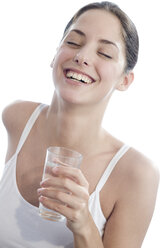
(58, 156)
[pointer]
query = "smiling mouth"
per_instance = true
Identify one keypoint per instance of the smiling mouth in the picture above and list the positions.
(79, 77)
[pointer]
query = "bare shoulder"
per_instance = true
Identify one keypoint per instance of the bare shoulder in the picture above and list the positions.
(140, 168)
(134, 170)
(15, 117)
(134, 167)
(16, 114)
(131, 216)
(140, 183)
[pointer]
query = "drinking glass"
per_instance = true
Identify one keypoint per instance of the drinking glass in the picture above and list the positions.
(58, 156)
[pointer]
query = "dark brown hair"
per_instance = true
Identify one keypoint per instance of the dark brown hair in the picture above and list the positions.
(129, 32)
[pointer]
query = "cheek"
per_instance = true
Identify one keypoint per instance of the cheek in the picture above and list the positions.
(108, 72)
(63, 54)
(110, 75)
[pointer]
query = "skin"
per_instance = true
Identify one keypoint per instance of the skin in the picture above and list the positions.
(73, 120)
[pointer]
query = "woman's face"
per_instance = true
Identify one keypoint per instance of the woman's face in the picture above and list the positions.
(90, 60)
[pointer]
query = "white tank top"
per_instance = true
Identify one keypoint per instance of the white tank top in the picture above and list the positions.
(20, 223)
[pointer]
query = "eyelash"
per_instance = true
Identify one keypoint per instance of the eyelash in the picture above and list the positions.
(72, 43)
(105, 55)
(77, 45)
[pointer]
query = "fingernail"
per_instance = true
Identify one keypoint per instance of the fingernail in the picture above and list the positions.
(55, 169)
(40, 198)
(42, 183)
(39, 191)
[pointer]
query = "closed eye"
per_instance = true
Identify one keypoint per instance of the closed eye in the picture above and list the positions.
(105, 55)
(72, 43)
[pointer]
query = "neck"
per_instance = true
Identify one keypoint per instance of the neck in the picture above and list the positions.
(75, 127)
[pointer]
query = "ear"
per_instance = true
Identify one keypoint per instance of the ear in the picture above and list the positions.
(126, 81)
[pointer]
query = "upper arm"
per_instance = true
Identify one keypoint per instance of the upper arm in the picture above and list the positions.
(128, 224)
(14, 117)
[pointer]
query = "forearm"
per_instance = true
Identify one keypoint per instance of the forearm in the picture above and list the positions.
(90, 238)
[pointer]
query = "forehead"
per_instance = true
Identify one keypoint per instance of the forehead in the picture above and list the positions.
(101, 23)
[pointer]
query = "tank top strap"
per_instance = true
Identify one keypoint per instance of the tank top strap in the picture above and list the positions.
(29, 126)
(111, 166)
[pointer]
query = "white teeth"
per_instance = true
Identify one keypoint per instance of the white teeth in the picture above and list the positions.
(88, 81)
(78, 77)
(69, 74)
(84, 78)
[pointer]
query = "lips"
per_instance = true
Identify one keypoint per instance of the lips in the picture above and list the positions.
(78, 76)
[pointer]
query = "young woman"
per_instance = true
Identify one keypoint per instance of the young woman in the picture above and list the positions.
(112, 195)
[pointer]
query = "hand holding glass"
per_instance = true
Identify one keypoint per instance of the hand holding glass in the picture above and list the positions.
(57, 156)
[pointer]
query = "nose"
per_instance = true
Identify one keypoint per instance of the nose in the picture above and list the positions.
(82, 59)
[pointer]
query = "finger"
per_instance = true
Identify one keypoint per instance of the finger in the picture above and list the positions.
(68, 212)
(49, 193)
(71, 172)
(70, 200)
(51, 204)
(59, 162)
(66, 185)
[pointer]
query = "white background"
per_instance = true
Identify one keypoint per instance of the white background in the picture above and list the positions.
(30, 31)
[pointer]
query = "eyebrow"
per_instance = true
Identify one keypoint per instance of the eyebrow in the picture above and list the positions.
(78, 32)
(103, 41)
(108, 42)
